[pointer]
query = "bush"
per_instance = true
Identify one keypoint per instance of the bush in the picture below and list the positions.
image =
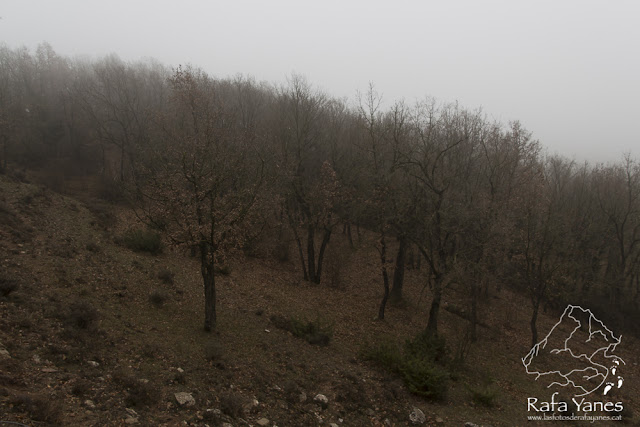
(385, 354)
(426, 346)
(484, 396)
(82, 315)
(314, 332)
(141, 240)
(157, 298)
(424, 378)
(92, 247)
(224, 269)
(281, 250)
(166, 276)
(232, 405)
(39, 407)
(142, 394)
(7, 286)
(213, 351)
(420, 365)
(139, 393)
(105, 217)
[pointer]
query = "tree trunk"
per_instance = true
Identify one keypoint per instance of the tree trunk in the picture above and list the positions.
(299, 244)
(534, 321)
(432, 324)
(475, 291)
(122, 163)
(323, 247)
(208, 267)
(311, 253)
(398, 273)
(385, 277)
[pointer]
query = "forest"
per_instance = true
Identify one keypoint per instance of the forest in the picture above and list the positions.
(216, 164)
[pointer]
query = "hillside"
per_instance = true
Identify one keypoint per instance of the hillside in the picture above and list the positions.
(97, 334)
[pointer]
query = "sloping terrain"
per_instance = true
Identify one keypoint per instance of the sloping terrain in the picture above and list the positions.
(93, 333)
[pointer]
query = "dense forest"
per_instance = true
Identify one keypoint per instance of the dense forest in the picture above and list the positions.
(217, 165)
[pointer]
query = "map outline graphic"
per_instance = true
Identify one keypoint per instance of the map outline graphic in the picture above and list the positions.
(605, 351)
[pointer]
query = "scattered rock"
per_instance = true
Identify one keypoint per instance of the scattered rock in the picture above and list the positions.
(36, 358)
(263, 422)
(132, 416)
(303, 397)
(4, 354)
(214, 412)
(253, 404)
(227, 425)
(439, 420)
(180, 370)
(93, 363)
(470, 424)
(333, 425)
(417, 416)
(49, 370)
(321, 398)
(371, 412)
(89, 404)
(185, 399)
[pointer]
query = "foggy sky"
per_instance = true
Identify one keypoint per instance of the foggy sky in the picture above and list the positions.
(567, 70)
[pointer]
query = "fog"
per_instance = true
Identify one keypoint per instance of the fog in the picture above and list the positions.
(566, 70)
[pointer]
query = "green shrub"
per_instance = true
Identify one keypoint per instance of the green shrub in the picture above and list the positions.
(385, 354)
(421, 365)
(141, 240)
(427, 346)
(315, 332)
(424, 378)
(484, 396)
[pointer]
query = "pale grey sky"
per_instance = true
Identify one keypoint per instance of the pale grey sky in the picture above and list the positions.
(567, 69)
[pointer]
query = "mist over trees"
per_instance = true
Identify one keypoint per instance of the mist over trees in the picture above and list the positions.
(217, 163)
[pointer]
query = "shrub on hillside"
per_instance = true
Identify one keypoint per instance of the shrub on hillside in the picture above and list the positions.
(421, 364)
(158, 298)
(82, 315)
(424, 378)
(232, 405)
(484, 396)
(386, 354)
(142, 240)
(213, 351)
(166, 276)
(7, 286)
(39, 407)
(316, 332)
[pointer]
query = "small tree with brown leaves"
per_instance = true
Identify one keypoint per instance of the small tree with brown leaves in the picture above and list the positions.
(201, 177)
